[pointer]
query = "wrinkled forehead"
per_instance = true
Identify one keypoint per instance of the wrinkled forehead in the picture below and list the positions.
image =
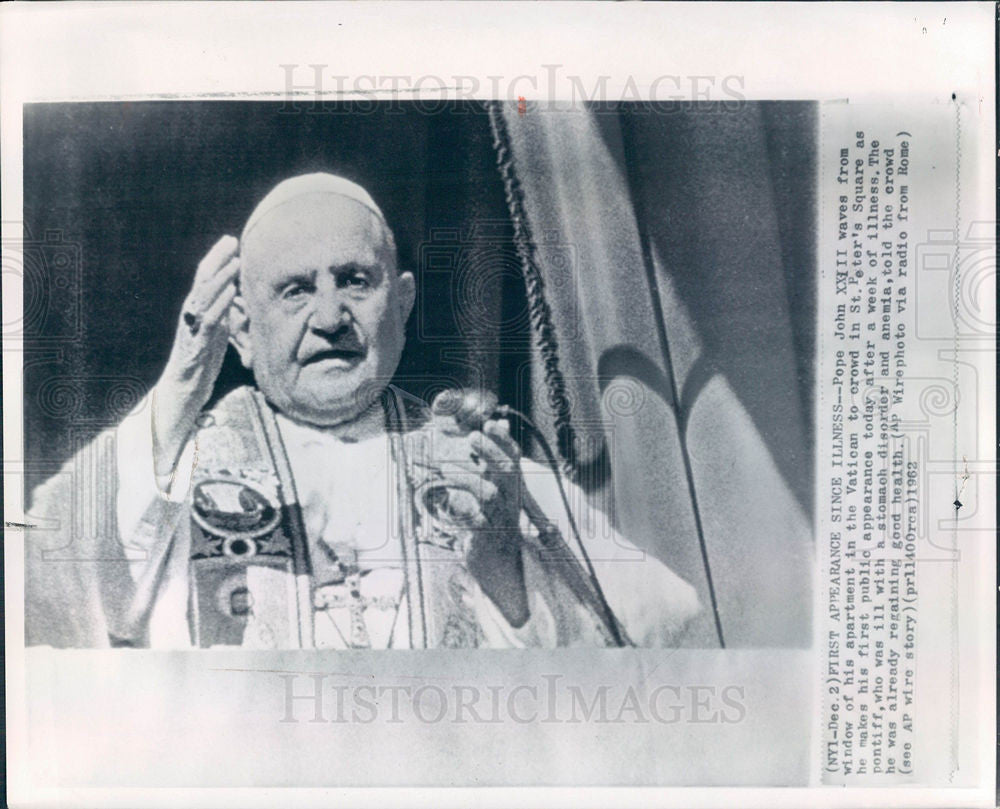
(315, 231)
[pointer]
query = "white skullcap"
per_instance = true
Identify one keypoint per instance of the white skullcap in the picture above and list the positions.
(306, 184)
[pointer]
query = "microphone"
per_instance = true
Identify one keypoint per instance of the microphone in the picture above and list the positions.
(471, 409)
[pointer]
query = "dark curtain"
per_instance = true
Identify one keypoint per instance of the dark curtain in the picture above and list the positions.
(684, 336)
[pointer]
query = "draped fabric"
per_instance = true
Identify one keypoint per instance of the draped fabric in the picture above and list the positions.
(677, 347)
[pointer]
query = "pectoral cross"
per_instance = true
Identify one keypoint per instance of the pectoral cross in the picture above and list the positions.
(356, 609)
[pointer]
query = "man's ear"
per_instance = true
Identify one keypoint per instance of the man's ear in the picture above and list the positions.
(407, 294)
(239, 331)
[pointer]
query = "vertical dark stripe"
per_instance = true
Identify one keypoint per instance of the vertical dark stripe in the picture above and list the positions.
(540, 314)
(635, 186)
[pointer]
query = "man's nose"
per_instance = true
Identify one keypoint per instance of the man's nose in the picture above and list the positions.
(331, 309)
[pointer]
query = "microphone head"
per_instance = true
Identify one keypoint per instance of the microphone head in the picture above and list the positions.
(469, 407)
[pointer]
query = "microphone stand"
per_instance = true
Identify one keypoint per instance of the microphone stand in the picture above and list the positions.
(584, 582)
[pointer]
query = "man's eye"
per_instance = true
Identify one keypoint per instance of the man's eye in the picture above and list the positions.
(295, 291)
(356, 280)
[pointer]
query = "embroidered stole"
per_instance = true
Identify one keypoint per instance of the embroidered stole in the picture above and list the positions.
(251, 578)
(251, 582)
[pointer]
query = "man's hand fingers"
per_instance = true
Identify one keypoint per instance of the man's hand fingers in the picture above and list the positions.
(447, 425)
(214, 313)
(465, 508)
(495, 455)
(204, 293)
(476, 485)
(499, 431)
(216, 258)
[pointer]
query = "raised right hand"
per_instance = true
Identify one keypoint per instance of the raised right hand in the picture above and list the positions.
(196, 357)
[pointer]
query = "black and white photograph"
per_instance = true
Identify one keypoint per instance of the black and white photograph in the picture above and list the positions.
(379, 376)
(500, 403)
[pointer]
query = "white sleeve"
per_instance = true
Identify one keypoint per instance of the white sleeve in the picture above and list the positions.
(148, 507)
(652, 602)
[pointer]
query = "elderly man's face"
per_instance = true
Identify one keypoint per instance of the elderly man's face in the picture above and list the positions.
(325, 306)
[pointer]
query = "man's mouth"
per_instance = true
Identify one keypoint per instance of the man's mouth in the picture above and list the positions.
(343, 356)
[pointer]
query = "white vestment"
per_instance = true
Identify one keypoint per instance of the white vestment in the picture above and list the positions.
(345, 491)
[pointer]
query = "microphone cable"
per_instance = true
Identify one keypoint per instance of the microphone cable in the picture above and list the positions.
(506, 411)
